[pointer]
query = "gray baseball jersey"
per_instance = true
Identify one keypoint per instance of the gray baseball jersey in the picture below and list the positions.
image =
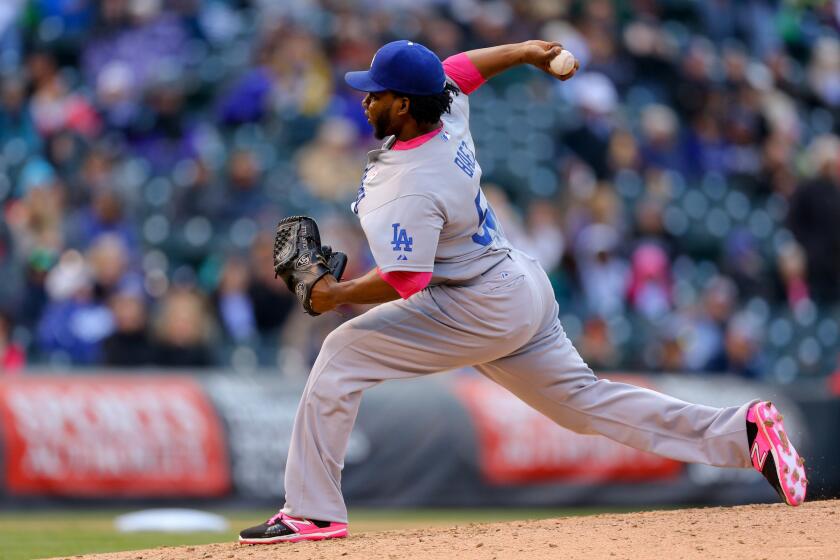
(423, 210)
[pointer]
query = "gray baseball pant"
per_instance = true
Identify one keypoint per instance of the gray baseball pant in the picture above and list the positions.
(505, 324)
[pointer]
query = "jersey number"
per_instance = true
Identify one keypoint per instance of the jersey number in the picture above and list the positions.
(486, 221)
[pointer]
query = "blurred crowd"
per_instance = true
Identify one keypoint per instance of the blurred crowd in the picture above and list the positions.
(683, 190)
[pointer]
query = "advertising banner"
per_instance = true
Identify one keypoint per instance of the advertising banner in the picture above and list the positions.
(98, 436)
(518, 445)
(259, 414)
(450, 440)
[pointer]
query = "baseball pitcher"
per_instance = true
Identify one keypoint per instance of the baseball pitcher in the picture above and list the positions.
(455, 293)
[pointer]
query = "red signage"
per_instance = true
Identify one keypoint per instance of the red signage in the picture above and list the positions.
(111, 436)
(518, 445)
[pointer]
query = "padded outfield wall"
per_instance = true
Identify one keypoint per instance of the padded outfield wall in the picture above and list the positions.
(454, 439)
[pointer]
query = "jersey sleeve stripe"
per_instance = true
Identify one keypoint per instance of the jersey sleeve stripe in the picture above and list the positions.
(463, 72)
(406, 282)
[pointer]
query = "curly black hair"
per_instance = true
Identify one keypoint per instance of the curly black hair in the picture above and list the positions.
(429, 108)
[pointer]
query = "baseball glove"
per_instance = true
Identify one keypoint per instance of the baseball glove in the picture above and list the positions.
(300, 260)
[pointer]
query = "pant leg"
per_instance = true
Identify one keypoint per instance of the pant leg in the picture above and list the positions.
(549, 374)
(433, 331)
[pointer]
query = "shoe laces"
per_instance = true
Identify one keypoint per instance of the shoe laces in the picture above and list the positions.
(275, 518)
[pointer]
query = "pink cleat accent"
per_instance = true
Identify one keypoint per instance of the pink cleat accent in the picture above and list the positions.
(285, 528)
(773, 455)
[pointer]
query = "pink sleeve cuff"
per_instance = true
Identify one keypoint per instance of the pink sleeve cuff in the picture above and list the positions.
(406, 282)
(463, 72)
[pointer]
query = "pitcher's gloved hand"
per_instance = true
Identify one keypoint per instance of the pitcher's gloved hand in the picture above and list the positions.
(336, 261)
(300, 260)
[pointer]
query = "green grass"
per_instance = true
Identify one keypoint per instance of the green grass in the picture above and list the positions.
(29, 535)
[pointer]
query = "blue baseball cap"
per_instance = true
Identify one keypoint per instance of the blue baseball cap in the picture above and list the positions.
(403, 66)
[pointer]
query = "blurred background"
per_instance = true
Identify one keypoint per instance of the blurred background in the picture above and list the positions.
(682, 191)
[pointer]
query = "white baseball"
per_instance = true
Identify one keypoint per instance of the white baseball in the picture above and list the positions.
(563, 63)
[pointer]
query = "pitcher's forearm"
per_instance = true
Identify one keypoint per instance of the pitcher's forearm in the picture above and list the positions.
(327, 294)
(370, 288)
(495, 60)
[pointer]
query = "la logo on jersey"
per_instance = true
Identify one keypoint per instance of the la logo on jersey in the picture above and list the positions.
(401, 241)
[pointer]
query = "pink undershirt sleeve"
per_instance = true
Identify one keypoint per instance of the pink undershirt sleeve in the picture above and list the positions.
(463, 72)
(406, 282)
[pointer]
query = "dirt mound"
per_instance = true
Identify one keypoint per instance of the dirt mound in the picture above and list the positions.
(810, 531)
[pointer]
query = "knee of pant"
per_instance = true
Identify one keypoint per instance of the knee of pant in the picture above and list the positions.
(341, 336)
(585, 381)
(325, 386)
(333, 345)
(572, 387)
(328, 379)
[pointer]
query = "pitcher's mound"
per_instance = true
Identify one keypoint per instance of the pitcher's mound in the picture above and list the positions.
(741, 533)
